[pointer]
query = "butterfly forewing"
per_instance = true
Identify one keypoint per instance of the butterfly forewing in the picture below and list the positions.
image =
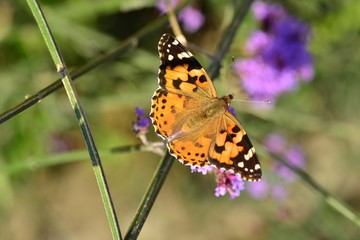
(195, 123)
(180, 72)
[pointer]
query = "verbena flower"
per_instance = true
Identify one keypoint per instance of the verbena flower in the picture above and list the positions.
(292, 154)
(226, 182)
(279, 56)
(283, 176)
(142, 122)
(204, 170)
(191, 18)
(162, 7)
(258, 190)
(231, 110)
(275, 143)
(295, 157)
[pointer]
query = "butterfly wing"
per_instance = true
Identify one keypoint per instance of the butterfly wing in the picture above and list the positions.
(183, 88)
(180, 72)
(232, 150)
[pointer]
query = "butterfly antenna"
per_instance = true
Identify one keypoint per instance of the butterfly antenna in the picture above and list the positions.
(228, 72)
(252, 101)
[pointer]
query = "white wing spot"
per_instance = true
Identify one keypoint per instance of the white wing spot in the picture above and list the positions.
(257, 166)
(241, 164)
(170, 57)
(250, 154)
(167, 50)
(169, 45)
(246, 169)
(183, 55)
(175, 42)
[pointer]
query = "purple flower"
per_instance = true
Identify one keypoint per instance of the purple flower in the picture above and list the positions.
(204, 170)
(294, 155)
(287, 50)
(231, 110)
(228, 182)
(257, 42)
(142, 122)
(279, 193)
(264, 12)
(162, 7)
(263, 189)
(262, 81)
(275, 143)
(192, 19)
(258, 190)
(277, 187)
(279, 54)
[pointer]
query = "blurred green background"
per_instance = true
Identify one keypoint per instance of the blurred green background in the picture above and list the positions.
(62, 201)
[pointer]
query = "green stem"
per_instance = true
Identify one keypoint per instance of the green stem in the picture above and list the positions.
(336, 204)
(149, 197)
(120, 50)
(80, 115)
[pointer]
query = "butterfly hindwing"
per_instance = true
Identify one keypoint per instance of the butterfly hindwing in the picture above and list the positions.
(233, 151)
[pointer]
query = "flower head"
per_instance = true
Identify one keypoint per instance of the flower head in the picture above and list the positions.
(279, 54)
(142, 122)
(204, 170)
(228, 182)
(258, 190)
(162, 5)
(231, 110)
(191, 18)
(293, 155)
(275, 143)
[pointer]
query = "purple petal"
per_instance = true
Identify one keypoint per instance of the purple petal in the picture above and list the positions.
(161, 5)
(220, 191)
(295, 156)
(275, 143)
(268, 13)
(231, 110)
(258, 190)
(139, 111)
(279, 193)
(192, 19)
(257, 42)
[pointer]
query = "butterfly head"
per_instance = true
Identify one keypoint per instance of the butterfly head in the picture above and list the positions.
(227, 99)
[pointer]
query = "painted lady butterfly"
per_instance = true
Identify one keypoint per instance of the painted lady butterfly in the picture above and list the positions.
(197, 127)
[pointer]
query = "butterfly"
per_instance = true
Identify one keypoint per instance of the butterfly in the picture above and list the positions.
(196, 124)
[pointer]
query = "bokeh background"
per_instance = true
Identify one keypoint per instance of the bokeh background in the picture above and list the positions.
(42, 197)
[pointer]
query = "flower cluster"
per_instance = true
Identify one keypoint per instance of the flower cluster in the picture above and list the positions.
(279, 56)
(226, 182)
(191, 17)
(293, 155)
(140, 127)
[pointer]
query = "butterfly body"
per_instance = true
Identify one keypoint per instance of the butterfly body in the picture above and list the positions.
(194, 121)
